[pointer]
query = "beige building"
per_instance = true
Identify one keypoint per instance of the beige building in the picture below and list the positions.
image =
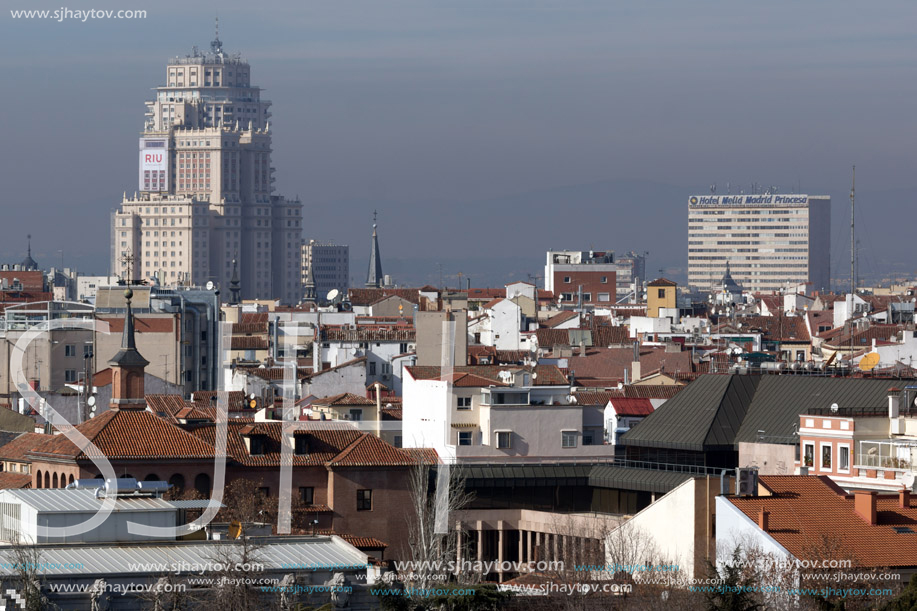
(205, 187)
(770, 241)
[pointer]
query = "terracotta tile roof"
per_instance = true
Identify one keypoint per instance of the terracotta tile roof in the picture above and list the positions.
(778, 327)
(393, 413)
(324, 444)
(632, 407)
(558, 319)
(166, 405)
(345, 398)
(662, 282)
(364, 543)
(275, 373)
(424, 455)
(602, 336)
(492, 303)
(142, 324)
(16, 450)
(10, 480)
(370, 451)
(514, 357)
(236, 399)
(370, 296)
(248, 342)
(249, 328)
(652, 391)
(841, 337)
(470, 380)
(252, 318)
(369, 333)
(130, 434)
(803, 509)
(548, 375)
(600, 398)
(604, 367)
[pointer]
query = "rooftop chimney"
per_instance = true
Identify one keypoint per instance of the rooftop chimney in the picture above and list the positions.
(904, 499)
(764, 520)
(893, 409)
(864, 503)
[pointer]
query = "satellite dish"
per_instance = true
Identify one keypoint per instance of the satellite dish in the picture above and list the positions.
(534, 375)
(251, 396)
(209, 286)
(908, 480)
(91, 401)
(869, 362)
(332, 294)
(834, 408)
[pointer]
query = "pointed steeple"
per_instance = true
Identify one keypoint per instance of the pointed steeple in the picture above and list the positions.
(235, 287)
(127, 366)
(374, 275)
(29, 264)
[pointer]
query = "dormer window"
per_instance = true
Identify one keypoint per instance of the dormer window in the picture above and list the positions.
(301, 445)
(256, 445)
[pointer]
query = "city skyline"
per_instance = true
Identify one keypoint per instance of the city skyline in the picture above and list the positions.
(445, 116)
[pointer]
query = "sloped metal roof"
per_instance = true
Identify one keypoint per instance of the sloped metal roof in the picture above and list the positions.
(627, 478)
(61, 500)
(526, 475)
(779, 400)
(116, 559)
(705, 415)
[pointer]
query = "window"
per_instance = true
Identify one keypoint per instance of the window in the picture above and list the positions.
(843, 458)
(604, 279)
(661, 294)
(464, 402)
(372, 368)
(808, 454)
(356, 415)
(307, 494)
(464, 438)
(587, 296)
(364, 500)
(568, 439)
(604, 297)
(504, 440)
(256, 445)
(70, 350)
(588, 438)
(567, 279)
(70, 375)
(301, 445)
(826, 457)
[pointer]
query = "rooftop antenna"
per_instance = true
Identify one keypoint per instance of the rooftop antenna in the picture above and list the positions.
(852, 234)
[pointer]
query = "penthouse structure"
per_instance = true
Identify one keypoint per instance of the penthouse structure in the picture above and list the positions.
(769, 240)
(205, 187)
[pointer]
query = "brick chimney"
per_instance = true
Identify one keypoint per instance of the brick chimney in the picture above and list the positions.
(904, 498)
(763, 520)
(864, 503)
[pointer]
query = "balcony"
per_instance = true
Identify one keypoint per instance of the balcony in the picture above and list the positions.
(896, 455)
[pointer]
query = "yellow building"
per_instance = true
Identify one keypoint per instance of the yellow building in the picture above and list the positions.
(660, 293)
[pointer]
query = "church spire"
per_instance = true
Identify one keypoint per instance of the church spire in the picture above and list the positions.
(127, 366)
(374, 275)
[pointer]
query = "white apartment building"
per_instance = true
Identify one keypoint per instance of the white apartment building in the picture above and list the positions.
(769, 240)
(205, 193)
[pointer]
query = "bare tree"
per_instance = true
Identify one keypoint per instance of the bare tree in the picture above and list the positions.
(25, 559)
(237, 566)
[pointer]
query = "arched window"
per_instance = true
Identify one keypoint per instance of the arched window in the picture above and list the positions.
(152, 477)
(177, 482)
(70, 479)
(47, 480)
(202, 484)
(38, 480)
(54, 481)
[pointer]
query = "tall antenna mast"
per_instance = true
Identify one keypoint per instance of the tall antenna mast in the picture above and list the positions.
(852, 234)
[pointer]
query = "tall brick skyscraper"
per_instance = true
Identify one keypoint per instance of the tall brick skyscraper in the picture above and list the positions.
(205, 193)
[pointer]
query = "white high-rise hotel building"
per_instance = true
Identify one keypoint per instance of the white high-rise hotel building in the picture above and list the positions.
(205, 192)
(770, 241)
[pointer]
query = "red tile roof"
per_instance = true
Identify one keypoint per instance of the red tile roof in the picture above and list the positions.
(558, 319)
(369, 296)
(652, 391)
(236, 399)
(260, 318)
(370, 451)
(842, 337)
(343, 399)
(248, 342)
(548, 375)
(606, 366)
(600, 398)
(779, 327)
(662, 282)
(275, 373)
(632, 407)
(129, 434)
(805, 509)
(16, 450)
(10, 480)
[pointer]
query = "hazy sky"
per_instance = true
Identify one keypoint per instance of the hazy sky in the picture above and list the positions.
(419, 107)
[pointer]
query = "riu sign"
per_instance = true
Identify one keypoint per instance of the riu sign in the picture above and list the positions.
(154, 164)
